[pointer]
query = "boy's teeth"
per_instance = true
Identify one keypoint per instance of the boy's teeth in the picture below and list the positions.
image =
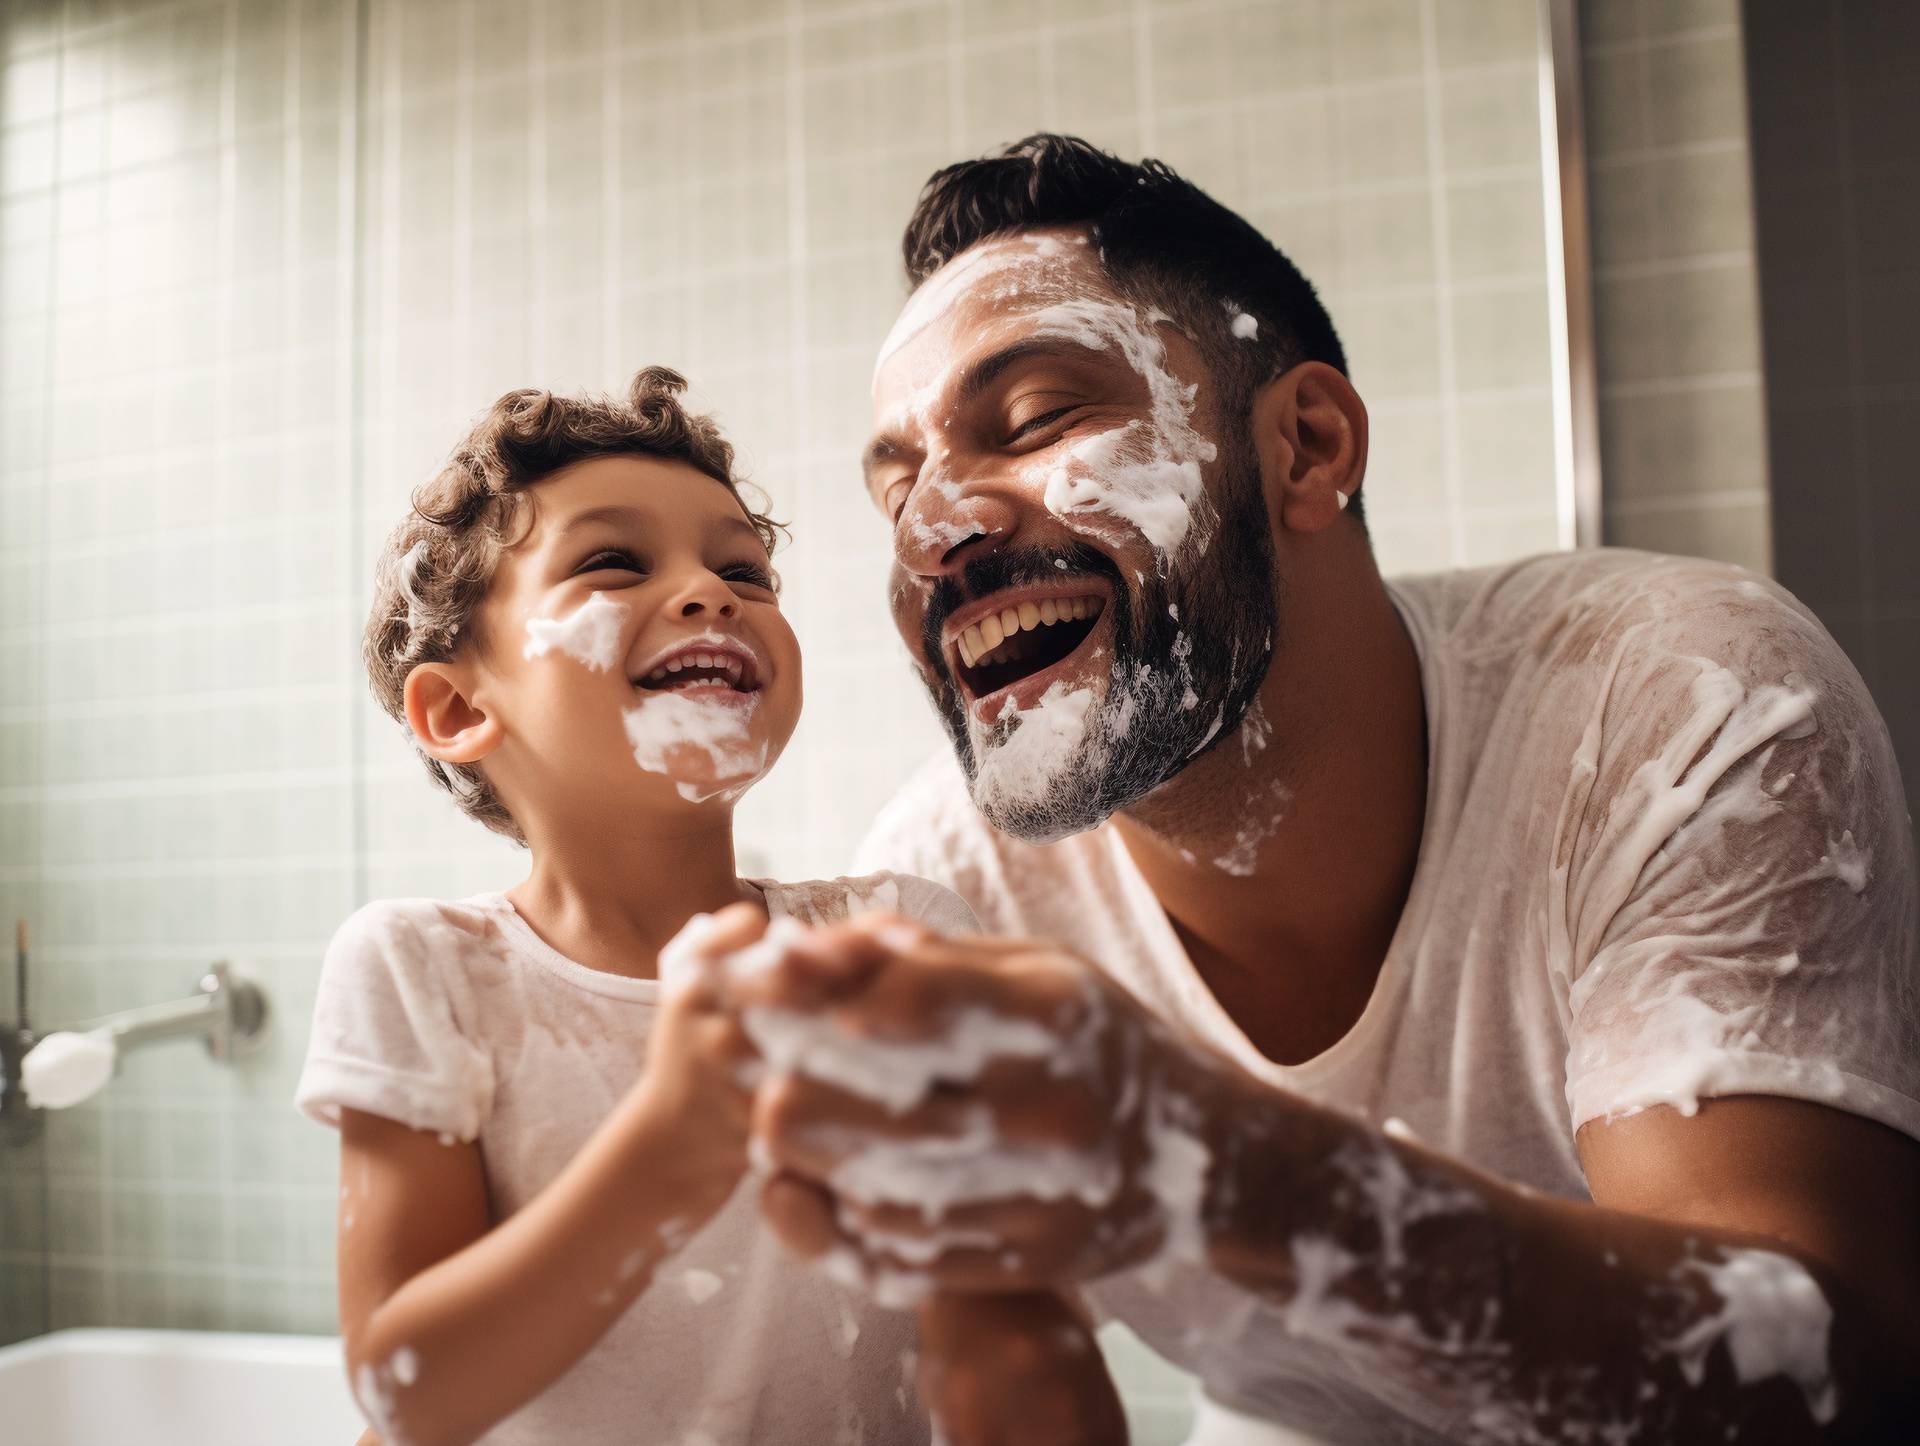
(674, 665)
(976, 643)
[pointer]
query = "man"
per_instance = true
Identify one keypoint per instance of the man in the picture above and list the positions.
(1504, 1021)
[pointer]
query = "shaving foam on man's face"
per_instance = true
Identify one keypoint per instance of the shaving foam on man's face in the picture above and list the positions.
(637, 648)
(1084, 571)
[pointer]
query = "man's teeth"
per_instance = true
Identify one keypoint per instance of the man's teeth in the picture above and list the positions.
(979, 641)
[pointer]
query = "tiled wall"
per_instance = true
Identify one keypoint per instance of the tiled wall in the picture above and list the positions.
(178, 700)
(1836, 162)
(1676, 304)
(261, 265)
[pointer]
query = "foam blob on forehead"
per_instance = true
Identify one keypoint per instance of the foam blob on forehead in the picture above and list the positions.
(1038, 267)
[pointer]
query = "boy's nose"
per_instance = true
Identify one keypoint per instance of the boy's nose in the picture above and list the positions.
(707, 594)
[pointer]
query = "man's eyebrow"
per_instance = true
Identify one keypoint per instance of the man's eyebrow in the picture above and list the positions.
(982, 374)
(977, 377)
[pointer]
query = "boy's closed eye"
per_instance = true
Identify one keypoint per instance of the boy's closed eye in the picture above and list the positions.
(612, 559)
(749, 574)
(618, 559)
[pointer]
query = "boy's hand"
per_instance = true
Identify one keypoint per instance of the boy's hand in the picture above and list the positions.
(695, 1092)
(972, 1114)
(1015, 1370)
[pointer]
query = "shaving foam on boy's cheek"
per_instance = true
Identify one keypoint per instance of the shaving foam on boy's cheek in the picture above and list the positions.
(669, 732)
(590, 634)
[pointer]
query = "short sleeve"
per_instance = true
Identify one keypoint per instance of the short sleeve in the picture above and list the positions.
(935, 905)
(1744, 900)
(387, 1032)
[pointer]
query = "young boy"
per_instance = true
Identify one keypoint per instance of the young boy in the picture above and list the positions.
(541, 1235)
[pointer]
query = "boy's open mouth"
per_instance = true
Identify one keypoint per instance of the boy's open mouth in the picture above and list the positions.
(703, 665)
(1027, 635)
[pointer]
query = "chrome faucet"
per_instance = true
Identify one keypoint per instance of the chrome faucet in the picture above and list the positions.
(228, 1012)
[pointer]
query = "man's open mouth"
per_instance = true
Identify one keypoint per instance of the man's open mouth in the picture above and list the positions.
(1022, 638)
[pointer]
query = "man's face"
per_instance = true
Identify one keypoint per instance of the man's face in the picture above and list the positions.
(1083, 568)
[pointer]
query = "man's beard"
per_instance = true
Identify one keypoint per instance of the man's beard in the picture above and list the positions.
(1190, 651)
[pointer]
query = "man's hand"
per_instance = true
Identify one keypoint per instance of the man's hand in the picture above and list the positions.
(982, 1116)
(977, 1114)
(1015, 1370)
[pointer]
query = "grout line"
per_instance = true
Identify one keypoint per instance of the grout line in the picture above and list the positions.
(1668, 386)
(613, 367)
(1443, 292)
(1671, 40)
(1862, 477)
(1696, 264)
(1688, 502)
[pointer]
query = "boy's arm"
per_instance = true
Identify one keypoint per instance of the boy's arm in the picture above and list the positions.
(452, 1323)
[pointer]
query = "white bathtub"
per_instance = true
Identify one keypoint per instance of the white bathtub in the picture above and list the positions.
(175, 1388)
(208, 1388)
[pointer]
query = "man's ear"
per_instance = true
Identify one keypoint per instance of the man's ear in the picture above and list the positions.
(446, 722)
(1310, 432)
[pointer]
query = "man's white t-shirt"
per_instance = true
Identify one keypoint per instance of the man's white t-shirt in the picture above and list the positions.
(454, 1016)
(1666, 857)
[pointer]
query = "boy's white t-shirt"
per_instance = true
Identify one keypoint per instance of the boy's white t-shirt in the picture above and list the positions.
(455, 1017)
(1666, 856)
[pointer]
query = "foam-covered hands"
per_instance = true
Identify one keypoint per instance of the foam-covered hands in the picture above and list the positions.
(1046, 1131)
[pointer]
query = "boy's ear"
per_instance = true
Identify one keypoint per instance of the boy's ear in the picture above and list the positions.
(1310, 433)
(445, 721)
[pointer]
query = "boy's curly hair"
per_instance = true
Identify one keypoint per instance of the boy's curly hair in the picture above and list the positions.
(437, 565)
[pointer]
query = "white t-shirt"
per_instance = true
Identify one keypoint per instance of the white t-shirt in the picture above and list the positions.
(1666, 856)
(455, 1017)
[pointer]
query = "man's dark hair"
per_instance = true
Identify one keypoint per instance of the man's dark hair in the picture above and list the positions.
(1162, 240)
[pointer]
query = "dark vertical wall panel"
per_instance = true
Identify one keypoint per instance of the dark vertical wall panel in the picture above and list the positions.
(1835, 139)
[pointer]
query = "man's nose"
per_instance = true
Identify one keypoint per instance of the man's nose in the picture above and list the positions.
(943, 527)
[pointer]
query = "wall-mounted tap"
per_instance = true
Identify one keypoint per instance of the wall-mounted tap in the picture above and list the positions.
(65, 1067)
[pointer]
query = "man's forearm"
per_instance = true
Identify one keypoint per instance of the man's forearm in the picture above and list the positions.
(1512, 1316)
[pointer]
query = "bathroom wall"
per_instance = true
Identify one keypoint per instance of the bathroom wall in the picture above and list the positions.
(178, 700)
(1676, 303)
(262, 262)
(1836, 164)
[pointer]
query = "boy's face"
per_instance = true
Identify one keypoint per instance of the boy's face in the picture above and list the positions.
(633, 649)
